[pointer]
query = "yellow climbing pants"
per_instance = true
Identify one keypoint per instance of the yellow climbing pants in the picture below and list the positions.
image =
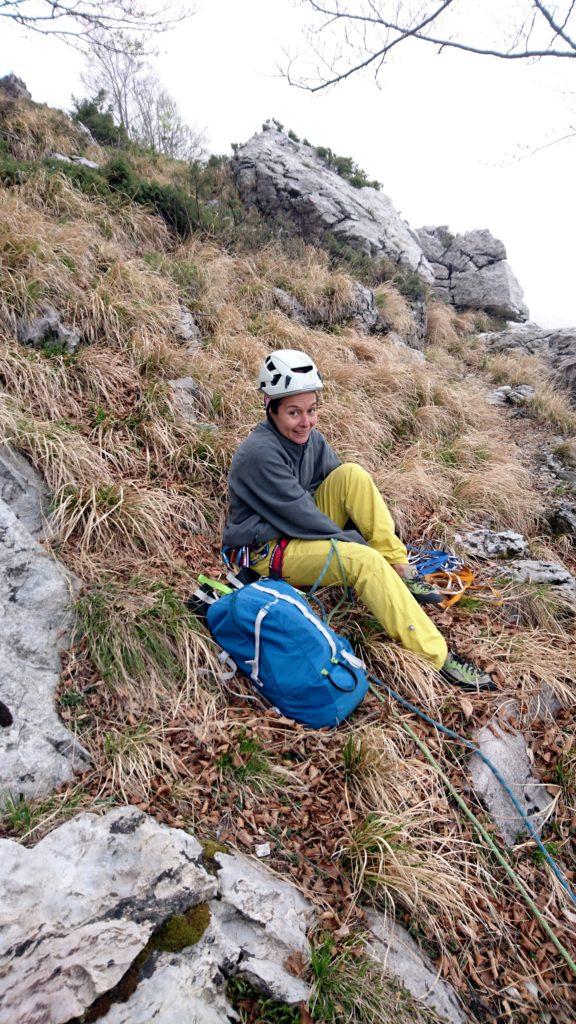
(349, 492)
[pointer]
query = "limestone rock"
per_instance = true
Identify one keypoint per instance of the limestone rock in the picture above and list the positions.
(396, 950)
(36, 751)
(508, 751)
(415, 355)
(14, 87)
(75, 159)
(46, 329)
(549, 573)
(268, 920)
(563, 520)
(86, 131)
(471, 271)
(506, 395)
(180, 988)
(259, 896)
(77, 908)
(23, 490)
(287, 179)
(557, 346)
(188, 331)
(486, 544)
(190, 398)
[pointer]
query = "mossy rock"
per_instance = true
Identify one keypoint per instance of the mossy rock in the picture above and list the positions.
(181, 931)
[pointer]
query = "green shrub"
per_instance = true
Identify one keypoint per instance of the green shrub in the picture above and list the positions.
(98, 118)
(346, 167)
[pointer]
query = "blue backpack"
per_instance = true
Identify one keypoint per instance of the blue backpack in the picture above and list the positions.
(295, 661)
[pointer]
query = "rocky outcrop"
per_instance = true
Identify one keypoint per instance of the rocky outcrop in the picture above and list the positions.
(361, 312)
(286, 179)
(396, 950)
(36, 751)
(518, 396)
(74, 158)
(486, 544)
(80, 907)
(188, 330)
(47, 330)
(557, 346)
(23, 490)
(528, 570)
(471, 272)
(14, 87)
(508, 751)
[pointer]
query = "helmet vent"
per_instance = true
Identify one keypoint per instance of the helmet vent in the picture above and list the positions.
(302, 369)
(275, 379)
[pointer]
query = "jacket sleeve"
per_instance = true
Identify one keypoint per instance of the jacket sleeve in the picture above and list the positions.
(272, 487)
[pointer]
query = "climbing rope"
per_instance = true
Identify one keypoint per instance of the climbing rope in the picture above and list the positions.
(479, 827)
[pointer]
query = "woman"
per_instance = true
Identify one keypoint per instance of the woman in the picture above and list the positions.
(290, 498)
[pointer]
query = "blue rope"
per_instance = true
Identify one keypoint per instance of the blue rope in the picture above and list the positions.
(472, 746)
(429, 560)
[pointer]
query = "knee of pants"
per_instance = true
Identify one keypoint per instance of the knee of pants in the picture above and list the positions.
(359, 558)
(349, 470)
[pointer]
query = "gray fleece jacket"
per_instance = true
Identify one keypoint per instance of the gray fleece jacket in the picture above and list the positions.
(271, 485)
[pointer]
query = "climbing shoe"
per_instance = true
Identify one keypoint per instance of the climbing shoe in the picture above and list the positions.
(424, 592)
(462, 673)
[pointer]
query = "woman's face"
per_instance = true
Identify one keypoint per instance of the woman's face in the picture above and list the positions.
(296, 416)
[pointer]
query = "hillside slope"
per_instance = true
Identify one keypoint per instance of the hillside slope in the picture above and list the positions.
(132, 425)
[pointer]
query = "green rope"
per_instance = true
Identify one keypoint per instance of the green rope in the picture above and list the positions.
(486, 837)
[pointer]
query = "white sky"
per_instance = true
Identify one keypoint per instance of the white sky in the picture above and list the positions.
(442, 133)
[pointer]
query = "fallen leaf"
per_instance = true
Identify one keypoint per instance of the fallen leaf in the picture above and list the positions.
(295, 964)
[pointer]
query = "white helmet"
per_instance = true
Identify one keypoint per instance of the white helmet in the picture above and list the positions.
(288, 372)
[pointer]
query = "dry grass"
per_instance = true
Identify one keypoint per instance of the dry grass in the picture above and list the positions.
(403, 858)
(62, 454)
(120, 518)
(445, 326)
(32, 131)
(394, 309)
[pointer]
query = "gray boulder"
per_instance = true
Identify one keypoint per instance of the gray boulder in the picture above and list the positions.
(552, 574)
(37, 752)
(487, 544)
(190, 399)
(563, 520)
(188, 330)
(471, 272)
(23, 490)
(506, 395)
(287, 179)
(14, 87)
(395, 949)
(46, 329)
(78, 908)
(75, 159)
(508, 751)
(557, 346)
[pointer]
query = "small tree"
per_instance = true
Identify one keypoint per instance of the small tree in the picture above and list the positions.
(97, 115)
(158, 123)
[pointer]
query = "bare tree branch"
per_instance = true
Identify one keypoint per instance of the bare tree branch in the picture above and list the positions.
(365, 32)
(76, 21)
